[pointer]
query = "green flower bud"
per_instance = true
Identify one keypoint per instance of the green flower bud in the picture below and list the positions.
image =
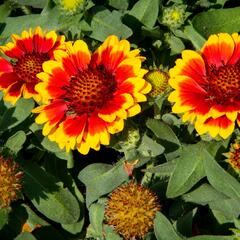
(174, 16)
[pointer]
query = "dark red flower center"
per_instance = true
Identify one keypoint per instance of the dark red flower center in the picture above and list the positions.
(29, 65)
(89, 90)
(224, 83)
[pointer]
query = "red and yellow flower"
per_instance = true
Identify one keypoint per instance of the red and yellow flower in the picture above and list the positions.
(27, 53)
(207, 84)
(88, 96)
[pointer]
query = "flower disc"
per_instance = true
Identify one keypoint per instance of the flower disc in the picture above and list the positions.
(131, 210)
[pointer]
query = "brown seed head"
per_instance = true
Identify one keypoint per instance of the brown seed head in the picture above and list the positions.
(131, 210)
(10, 181)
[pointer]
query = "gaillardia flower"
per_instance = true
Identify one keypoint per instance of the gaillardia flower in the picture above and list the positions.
(233, 156)
(87, 97)
(27, 53)
(159, 82)
(207, 84)
(131, 210)
(10, 181)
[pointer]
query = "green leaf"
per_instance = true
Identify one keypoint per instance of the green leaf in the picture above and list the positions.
(210, 237)
(166, 137)
(230, 208)
(163, 228)
(103, 182)
(164, 133)
(58, 169)
(119, 4)
(5, 10)
(110, 234)
(33, 219)
(48, 19)
(16, 141)
(65, 156)
(204, 195)
(189, 170)
(15, 115)
(50, 146)
(34, 3)
(4, 216)
(165, 169)
(74, 228)
(196, 39)
(25, 236)
(149, 147)
(17, 216)
(220, 179)
(49, 233)
(48, 196)
(176, 45)
(96, 215)
(105, 23)
(146, 12)
(184, 223)
(97, 169)
(216, 21)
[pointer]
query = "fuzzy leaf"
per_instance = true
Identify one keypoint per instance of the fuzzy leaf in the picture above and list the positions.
(48, 196)
(149, 147)
(164, 133)
(119, 4)
(48, 19)
(163, 228)
(96, 215)
(196, 39)
(33, 3)
(204, 195)
(189, 170)
(103, 182)
(209, 237)
(4, 216)
(216, 21)
(110, 234)
(230, 208)
(146, 12)
(165, 169)
(25, 236)
(105, 23)
(15, 115)
(220, 179)
(16, 141)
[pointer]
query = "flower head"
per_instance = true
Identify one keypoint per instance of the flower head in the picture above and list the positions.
(206, 85)
(233, 157)
(174, 16)
(10, 181)
(69, 7)
(88, 96)
(131, 210)
(27, 53)
(158, 80)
